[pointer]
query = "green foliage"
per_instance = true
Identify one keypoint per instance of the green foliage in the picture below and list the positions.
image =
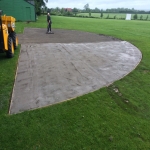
(75, 11)
(86, 7)
(107, 16)
(125, 10)
(96, 10)
(141, 17)
(45, 8)
(135, 17)
(101, 14)
(38, 5)
(111, 15)
(89, 13)
(62, 11)
(147, 17)
(67, 13)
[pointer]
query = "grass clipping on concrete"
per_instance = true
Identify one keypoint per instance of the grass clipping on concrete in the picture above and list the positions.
(115, 117)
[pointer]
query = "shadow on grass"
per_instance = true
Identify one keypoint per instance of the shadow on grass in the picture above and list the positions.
(3, 56)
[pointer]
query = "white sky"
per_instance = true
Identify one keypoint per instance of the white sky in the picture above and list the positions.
(101, 4)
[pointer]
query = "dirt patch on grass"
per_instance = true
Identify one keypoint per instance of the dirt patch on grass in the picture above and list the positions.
(32, 35)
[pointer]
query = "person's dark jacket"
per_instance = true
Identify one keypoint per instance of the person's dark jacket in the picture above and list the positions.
(49, 19)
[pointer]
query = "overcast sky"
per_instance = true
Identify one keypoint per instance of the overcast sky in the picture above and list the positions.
(101, 4)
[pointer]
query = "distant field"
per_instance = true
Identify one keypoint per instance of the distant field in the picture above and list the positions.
(111, 15)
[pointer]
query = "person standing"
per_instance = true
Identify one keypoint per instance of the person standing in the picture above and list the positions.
(49, 23)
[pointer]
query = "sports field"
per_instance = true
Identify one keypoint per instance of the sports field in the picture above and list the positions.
(104, 119)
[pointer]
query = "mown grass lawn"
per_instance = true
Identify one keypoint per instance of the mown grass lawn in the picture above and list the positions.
(102, 120)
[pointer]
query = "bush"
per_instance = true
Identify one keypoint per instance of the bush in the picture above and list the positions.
(90, 14)
(107, 16)
(80, 16)
(38, 12)
(101, 15)
(141, 17)
(67, 13)
(53, 13)
(92, 17)
(135, 16)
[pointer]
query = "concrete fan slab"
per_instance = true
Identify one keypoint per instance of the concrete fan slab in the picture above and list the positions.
(51, 73)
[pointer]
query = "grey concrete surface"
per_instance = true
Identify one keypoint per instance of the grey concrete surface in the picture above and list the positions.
(56, 67)
(53, 72)
(37, 35)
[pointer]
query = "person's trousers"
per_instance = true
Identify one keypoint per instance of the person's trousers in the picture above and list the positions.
(49, 27)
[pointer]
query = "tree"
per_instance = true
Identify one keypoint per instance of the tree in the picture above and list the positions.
(96, 10)
(135, 16)
(45, 9)
(86, 7)
(141, 17)
(57, 9)
(48, 10)
(89, 13)
(147, 17)
(75, 11)
(101, 14)
(38, 5)
(62, 11)
(107, 16)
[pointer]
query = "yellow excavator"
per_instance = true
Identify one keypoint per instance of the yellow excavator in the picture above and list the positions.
(8, 38)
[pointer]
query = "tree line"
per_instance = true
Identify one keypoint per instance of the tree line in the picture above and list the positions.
(120, 10)
(86, 9)
(40, 7)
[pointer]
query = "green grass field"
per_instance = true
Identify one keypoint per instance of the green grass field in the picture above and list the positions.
(111, 15)
(102, 120)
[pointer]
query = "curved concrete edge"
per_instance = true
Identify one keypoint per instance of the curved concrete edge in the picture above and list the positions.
(133, 68)
(123, 42)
